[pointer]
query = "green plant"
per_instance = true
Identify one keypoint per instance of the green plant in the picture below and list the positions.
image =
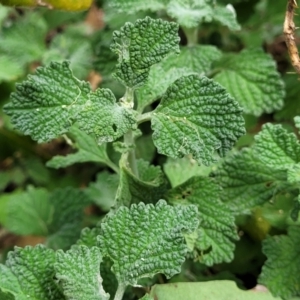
(193, 97)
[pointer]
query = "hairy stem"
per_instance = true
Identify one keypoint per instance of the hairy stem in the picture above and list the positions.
(289, 32)
(191, 35)
(120, 292)
(144, 117)
(129, 140)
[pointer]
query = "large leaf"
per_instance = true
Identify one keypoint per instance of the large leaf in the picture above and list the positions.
(196, 116)
(141, 45)
(281, 270)
(217, 231)
(258, 89)
(146, 239)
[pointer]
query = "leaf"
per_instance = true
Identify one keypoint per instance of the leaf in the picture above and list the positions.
(297, 122)
(180, 170)
(103, 191)
(78, 272)
(277, 148)
(33, 268)
(280, 272)
(247, 182)
(191, 13)
(146, 239)
(211, 290)
(196, 116)
(10, 68)
(258, 90)
(88, 151)
(293, 174)
(149, 187)
(49, 102)
(141, 45)
(217, 231)
(88, 237)
(133, 6)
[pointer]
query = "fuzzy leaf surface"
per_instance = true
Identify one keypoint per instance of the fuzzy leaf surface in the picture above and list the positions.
(33, 268)
(88, 151)
(217, 231)
(258, 90)
(247, 181)
(78, 273)
(276, 147)
(281, 270)
(141, 45)
(191, 13)
(144, 240)
(196, 116)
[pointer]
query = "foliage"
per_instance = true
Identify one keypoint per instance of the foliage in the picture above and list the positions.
(146, 153)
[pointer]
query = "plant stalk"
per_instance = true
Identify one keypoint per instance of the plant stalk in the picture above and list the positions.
(120, 292)
(144, 117)
(129, 140)
(191, 36)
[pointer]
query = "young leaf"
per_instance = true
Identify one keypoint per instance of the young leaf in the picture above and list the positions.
(262, 87)
(191, 13)
(78, 273)
(247, 182)
(217, 231)
(197, 116)
(88, 151)
(148, 188)
(280, 272)
(141, 45)
(277, 148)
(33, 268)
(146, 239)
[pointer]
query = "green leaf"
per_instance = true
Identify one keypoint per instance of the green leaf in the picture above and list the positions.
(78, 273)
(146, 239)
(197, 116)
(277, 148)
(180, 170)
(247, 181)
(217, 231)
(281, 270)
(103, 190)
(191, 13)
(141, 45)
(149, 187)
(293, 174)
(297, 122)
(211, 290)
(88, 151)
(14, 39)
(88, 237)
(133, 6)
(10, 68)
(33, 268)
(258, 90)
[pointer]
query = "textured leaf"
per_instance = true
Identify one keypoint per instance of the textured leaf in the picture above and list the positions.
(217, 231)
(133, 6)
(277, 148)
(88, 151)
(14, 39)
(293, 174)
(78, 272)
(281, 271)
(145, 240)
(33, 268)
(103, 191)
(191, 13)
(247, 182)
(141, 45)
(148, 188)
(180, 170)
(258, 90)
(88, 237)
(196, 116)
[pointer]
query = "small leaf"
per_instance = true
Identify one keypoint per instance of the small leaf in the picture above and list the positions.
(217, 231)
(196, 116)
(146, 239)
(88, 151)
(258, 90)
(33, 268)
(247, 182)
(78, 273)
(141, 45)
(277, 148)
(280, 272)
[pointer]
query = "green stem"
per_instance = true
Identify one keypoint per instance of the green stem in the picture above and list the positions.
(213, 72)
(191, 35)
(144, 117)
(129, 140)
(120, 292)
(111, 165)
(128, 99)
